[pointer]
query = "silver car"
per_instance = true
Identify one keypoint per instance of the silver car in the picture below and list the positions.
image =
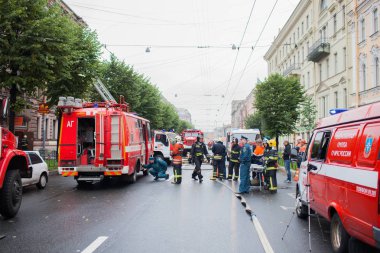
(40, 171)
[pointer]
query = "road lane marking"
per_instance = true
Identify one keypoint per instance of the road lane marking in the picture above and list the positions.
(292, 195)
(287, 207)
(262, 236)
(95, 244)
(256, 223)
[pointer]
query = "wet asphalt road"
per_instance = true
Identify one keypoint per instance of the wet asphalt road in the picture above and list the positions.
(151, 216)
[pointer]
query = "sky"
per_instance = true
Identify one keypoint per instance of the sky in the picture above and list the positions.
(191, 59)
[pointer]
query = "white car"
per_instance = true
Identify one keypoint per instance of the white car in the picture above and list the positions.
(40, 170)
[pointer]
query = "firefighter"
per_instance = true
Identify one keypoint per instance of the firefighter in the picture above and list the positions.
(245, 163)
(271, 170)
(234, 160)
(219, 160)
(157, 168)
(177, 160)
(198, 150)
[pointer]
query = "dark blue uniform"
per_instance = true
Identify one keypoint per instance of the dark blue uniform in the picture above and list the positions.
(245, 164)
(219, 160)
(157, 168)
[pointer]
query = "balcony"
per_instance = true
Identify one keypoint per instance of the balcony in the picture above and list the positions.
(293, 69)
(319, 50)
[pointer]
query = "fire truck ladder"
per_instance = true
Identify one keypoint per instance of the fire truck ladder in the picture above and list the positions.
(103, 91)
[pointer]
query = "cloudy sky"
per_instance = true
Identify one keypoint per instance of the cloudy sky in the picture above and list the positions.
(191, 58)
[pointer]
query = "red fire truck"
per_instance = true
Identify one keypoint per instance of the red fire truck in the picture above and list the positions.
(101, 140)
(13, 167)
(189, 137)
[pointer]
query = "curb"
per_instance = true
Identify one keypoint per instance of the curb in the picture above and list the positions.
(53, 172)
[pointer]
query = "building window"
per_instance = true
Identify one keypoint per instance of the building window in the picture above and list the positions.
(376, 70)
(327, 68)
(375, 21)
(324, 106)
(323, 4)
(320, 72)
(302, 28)
(335, 63)
(364, 77)
(335, 23)
(344, 58)
(307, 22)
(38, 128)
(307, 48)
(344, 15)
(362, 29)
(345, 98)
(303, 55)
(298, 33)
(336, 99)
(46, 129)
(308, 79)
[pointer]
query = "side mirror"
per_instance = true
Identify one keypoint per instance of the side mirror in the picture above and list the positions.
(79, 149)
(311, 167)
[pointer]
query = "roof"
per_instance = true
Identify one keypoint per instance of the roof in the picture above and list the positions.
(102, 109)
(362, 113)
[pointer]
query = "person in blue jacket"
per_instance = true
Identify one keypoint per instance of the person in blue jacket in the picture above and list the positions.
(245, 164)
(157, 168)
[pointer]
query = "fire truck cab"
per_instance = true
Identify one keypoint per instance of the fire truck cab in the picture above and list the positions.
(189, 137)
(163, 144)
(100, 140)
(341, 167)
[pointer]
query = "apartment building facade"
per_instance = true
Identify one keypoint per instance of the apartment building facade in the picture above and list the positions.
(314, 45)
(365, 37)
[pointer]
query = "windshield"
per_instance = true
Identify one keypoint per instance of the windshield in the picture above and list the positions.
(171, 136)
(191, 134)
(250, 136)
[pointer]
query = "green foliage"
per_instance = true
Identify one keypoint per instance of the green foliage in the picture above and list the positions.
(308, 114)
(43, 48)
(254, 121)
(278, 99)
(143, 97)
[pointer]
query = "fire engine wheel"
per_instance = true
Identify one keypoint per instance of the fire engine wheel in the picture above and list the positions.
(11, 194)
(339, 236)
(42, 182)
(301, 209)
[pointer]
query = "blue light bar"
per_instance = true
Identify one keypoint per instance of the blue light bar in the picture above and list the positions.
(336, 111)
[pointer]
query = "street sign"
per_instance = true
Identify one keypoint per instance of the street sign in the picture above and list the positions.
(43, 108)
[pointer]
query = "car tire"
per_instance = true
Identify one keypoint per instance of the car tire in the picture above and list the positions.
(301, 209)
(43, 181)
(338, 235)
(11, 194)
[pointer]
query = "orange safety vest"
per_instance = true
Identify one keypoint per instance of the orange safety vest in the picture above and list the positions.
(259, 151)
(177, 153)
(303, 148)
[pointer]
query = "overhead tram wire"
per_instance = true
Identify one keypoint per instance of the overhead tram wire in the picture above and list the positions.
(250, 55)
(237, 53)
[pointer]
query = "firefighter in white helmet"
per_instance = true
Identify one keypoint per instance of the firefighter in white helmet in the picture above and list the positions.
(176, 153)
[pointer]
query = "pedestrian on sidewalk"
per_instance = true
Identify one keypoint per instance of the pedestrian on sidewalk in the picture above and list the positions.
(234, 163)
(245, 164)
(286, 157)
(177, 160)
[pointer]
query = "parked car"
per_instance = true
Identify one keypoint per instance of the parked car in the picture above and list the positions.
(40, 171)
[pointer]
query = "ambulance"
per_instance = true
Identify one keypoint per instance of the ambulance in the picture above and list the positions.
(339, 177)
(99, 140)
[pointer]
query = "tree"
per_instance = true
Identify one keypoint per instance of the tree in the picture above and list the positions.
(43, 49)
(278, 99)
(254, 121)
(308, 114)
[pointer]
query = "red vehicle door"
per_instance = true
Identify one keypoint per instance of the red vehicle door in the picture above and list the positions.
(99, 139)
(318, 173)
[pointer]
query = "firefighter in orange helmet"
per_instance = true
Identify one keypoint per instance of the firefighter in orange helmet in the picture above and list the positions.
(176, 153)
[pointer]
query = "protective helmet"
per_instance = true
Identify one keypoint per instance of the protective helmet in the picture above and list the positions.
(178, 138)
